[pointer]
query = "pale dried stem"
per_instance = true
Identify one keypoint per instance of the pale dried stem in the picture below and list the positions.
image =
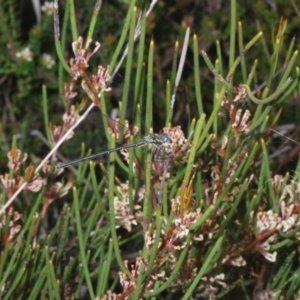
(82, 117)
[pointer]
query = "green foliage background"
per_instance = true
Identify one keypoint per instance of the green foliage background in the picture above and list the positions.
(96, 257)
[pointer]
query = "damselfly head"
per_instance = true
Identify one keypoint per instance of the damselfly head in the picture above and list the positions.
(175, 140)
(166, 138)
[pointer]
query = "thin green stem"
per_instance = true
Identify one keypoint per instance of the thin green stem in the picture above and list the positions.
(122, 38)
(73, 20)
(128, 70)
(111, 201)
(204, 269)
(270, 98)
(174, 274)
(232, 32)
(197, 75)
(93, 21)
(81, 243)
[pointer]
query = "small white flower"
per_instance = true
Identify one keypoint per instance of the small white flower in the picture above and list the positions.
(48, 61)
(239, 261)
(25, 54)
(48, 8)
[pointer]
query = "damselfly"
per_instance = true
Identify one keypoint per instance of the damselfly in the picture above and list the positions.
(159, 142)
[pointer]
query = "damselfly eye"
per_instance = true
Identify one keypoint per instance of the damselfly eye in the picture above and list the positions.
(166, 138)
